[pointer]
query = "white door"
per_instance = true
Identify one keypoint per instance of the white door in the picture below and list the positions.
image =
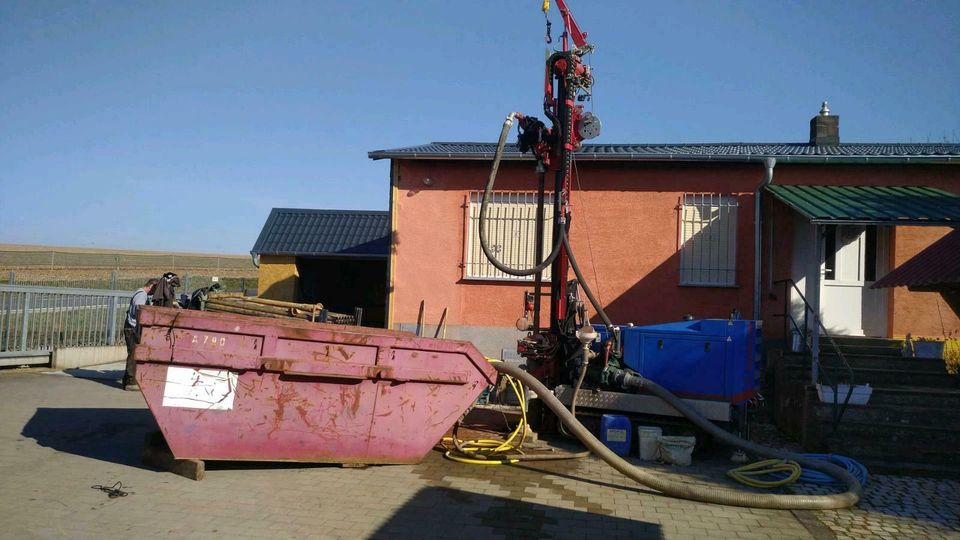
(854, 256)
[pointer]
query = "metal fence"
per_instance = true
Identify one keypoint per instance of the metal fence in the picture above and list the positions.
(34, 320)
(125, 282)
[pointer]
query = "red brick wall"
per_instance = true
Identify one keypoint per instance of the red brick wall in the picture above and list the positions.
(919, 313)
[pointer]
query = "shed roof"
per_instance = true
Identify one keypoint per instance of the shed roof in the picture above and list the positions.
(866, 205)
(936, 266)
(787, 152)
(344, 233)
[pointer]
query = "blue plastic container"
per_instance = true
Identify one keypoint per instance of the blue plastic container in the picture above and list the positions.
(715, 359)
(615, 433)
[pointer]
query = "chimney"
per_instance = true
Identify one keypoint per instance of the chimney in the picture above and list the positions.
(825, 129)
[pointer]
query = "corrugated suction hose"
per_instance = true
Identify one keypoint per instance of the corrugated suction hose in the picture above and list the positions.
(692, 492)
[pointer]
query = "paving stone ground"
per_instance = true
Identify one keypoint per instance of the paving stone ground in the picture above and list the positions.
(60, 434)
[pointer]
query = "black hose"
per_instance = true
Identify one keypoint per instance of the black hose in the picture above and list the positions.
(484, 203)
(693, 492)
(576, 392)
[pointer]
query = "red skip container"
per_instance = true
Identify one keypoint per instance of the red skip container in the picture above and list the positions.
(233, 387)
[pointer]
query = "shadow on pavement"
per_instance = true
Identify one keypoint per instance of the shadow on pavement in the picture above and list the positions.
(445, 512)
(109, 377)
(114, 435)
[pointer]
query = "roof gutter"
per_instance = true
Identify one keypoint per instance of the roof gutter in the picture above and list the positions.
(769, 164)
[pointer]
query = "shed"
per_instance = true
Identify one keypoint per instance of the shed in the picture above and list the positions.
(335, 257)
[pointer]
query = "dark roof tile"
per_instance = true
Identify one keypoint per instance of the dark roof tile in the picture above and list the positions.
(733, 151)
(303, 232)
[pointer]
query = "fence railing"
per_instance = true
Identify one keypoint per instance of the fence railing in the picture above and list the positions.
(34, 320)
(126, 282)
(818, 371)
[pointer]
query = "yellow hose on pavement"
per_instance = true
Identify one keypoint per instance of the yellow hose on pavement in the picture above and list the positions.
(752, 473)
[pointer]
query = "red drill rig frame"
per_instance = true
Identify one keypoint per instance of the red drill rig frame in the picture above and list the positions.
(568, 82)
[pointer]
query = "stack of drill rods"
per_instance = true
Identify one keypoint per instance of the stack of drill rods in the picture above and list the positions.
(257, 307)
(265, 301)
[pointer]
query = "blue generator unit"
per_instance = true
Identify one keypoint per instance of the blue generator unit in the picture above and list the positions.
(712, 359)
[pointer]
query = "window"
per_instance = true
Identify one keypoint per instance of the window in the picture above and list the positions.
(511, 231)
(708, 231)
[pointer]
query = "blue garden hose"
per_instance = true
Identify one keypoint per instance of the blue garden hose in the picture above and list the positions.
(810, 476)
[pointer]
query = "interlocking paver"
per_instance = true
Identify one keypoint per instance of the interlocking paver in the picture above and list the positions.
(59, 435)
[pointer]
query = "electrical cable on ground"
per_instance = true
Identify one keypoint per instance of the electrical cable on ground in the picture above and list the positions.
(852, 466)
(497, 452)
(777, 472)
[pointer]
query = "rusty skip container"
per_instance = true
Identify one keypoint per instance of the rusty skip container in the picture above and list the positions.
(235, 387)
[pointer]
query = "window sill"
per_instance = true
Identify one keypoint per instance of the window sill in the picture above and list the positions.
(500, 281)
(708, 286)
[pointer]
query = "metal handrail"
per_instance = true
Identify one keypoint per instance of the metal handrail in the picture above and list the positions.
(838, 409)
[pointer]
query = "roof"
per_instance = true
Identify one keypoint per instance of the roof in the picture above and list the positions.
(303, 232)
(864, 205)
(799, 152)
(938, 265)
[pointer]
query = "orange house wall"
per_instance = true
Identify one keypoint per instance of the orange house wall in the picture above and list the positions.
(624, 234)
(922, 314)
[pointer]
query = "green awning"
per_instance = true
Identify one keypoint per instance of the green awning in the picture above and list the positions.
(871, 205)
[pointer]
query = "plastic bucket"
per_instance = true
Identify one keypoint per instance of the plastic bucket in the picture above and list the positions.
(647, 441)
(675, 450)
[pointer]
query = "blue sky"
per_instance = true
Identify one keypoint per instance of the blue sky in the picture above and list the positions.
(178, 125)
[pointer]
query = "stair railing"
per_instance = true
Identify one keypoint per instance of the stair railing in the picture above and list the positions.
(838, 408)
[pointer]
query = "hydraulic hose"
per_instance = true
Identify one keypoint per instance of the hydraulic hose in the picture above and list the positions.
(576, 392)
(484, 203)
(692, 492)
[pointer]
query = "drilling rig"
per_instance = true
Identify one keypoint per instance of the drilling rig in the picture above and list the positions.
(722, 367)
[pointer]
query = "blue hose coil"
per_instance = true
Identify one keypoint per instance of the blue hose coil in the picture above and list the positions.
(810, 476)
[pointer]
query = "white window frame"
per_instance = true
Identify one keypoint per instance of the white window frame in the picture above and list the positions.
(707, 240)
(511, 231)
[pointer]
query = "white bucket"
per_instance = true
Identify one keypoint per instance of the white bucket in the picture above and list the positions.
(647, 441)
(675, 450)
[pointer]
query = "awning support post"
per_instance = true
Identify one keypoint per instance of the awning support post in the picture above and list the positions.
(814, 295)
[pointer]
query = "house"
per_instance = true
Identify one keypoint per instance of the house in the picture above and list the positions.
(666, 230)
(334, 257)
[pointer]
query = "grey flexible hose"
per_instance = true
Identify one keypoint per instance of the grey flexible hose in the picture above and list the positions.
(692, 492)
(488, 194)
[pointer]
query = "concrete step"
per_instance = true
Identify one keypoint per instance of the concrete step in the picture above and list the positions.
(896, 445)
(886, 377)
(872, 361)
(854, 341)
(943, 398)
(939, 418)
(880, 377)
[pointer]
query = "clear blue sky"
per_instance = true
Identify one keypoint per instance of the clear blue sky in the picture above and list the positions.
(178, 125)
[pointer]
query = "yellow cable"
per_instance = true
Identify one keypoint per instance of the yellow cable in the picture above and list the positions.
(751, 473)
(489, 451)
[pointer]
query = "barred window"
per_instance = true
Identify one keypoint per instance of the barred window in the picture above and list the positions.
(708, 233)
(511, 231)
